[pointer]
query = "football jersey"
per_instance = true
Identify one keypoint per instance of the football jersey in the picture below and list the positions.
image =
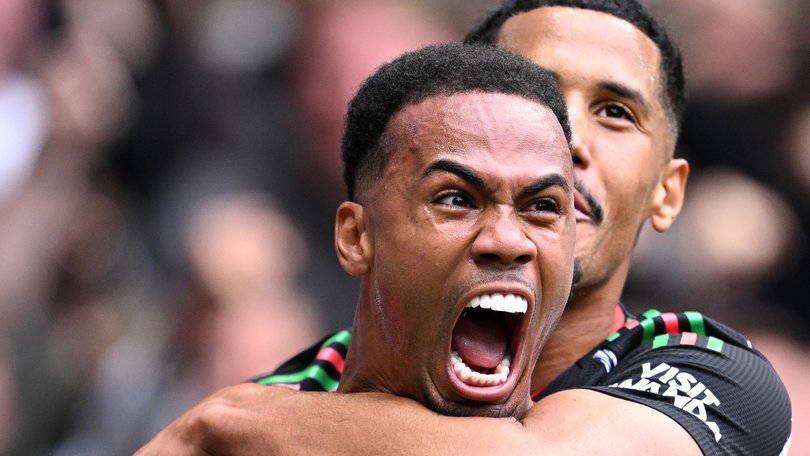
(697, 371)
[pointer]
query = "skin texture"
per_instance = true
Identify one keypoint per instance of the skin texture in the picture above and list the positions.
(476, 198)
(623, 156)
(621, 143)
(627, 166)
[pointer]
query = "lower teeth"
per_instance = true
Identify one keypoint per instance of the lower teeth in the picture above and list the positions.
(471, 377)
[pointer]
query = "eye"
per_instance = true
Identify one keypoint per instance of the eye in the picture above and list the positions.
(616, 111)
(545, 205)
(454, 198)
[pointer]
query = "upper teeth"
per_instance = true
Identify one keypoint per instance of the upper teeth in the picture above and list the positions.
(500, 302)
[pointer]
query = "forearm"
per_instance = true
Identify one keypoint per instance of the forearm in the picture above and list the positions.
(255, 419)
(374, 423)
(576, 422)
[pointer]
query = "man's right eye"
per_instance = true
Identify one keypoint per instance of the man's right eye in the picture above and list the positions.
(456, 199)
(616, 111)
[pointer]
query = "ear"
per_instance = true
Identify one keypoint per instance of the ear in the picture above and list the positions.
(352, 240)
(669, 194)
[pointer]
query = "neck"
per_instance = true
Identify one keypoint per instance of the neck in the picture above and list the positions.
(369, 366)
(586, 322)
(353, 378)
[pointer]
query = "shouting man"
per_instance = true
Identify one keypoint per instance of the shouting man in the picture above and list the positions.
(606, 382)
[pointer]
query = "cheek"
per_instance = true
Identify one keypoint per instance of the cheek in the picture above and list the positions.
(428, 248)
(556, 273)
(628, 191)
(556, 266)
(415, 265)
(410, 283)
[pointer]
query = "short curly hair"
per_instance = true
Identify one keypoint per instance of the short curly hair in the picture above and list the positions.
(444, 69)
(674, 89)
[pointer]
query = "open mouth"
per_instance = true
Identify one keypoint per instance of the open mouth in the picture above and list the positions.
(486, 338)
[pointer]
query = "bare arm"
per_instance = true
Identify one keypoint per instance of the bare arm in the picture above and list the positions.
(253, 419)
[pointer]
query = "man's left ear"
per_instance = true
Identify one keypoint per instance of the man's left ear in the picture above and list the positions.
(668, 196)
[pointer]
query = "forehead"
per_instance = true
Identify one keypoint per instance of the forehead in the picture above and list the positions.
(579, 44)
(496, 126)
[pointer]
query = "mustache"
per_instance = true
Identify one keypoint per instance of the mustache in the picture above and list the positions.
(488, 277)
(597, 213)
(502, 276)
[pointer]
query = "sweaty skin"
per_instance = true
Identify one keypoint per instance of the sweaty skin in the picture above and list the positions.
(476, 201)
(623, 145)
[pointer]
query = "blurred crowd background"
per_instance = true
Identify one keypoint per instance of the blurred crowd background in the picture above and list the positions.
(169, 171)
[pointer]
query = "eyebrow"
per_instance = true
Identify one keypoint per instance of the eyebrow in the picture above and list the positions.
(624, 92)
(458, 169)
(552, 180)
(474, 179)
(617, 88)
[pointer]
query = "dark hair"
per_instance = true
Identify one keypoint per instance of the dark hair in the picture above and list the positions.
(436, 70)
(486, 31)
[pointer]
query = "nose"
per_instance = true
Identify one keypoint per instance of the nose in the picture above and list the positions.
(580, 135)
(501, 241)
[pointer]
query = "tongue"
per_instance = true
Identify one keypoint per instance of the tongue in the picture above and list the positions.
(481, 343)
